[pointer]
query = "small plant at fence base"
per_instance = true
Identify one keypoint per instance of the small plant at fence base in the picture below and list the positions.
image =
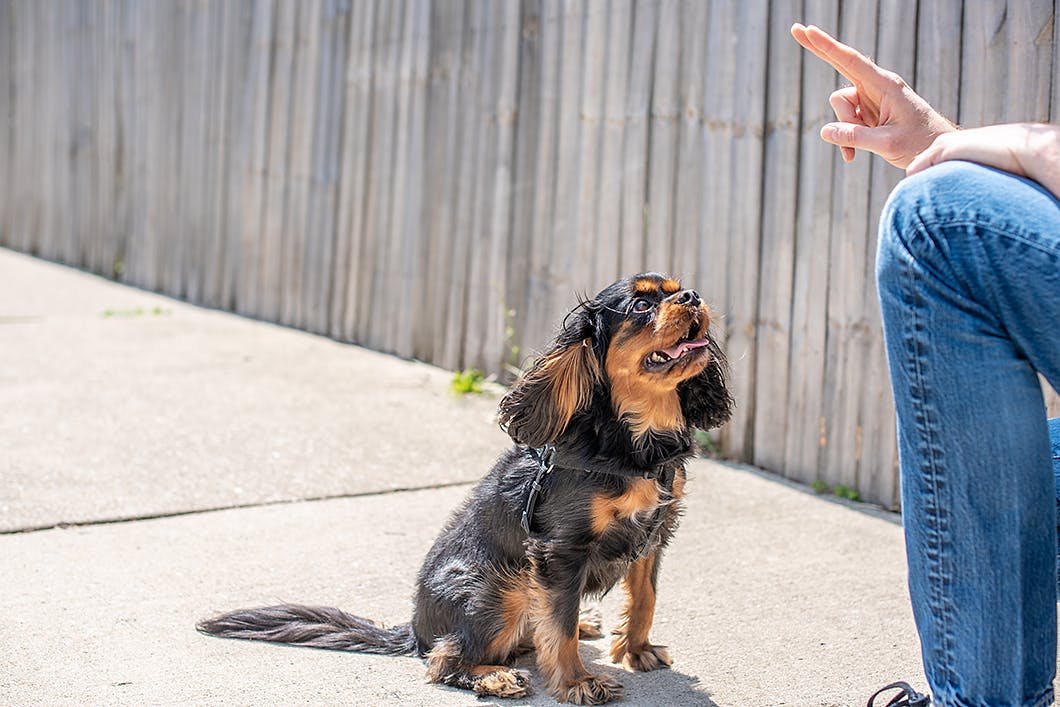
(708, 446)
(839, 490)
(467, 381)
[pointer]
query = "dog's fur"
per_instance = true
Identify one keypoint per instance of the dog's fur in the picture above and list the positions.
(620, 419)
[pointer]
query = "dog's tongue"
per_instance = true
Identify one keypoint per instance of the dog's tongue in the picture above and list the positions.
(679, 349)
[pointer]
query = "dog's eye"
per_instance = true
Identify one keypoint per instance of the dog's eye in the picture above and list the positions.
(640, 306)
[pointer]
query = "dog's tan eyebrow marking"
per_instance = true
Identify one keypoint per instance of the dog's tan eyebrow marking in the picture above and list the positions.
(642, 287)
(671, 286)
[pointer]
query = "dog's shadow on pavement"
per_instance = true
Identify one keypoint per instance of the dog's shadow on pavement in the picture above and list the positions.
(658, 687)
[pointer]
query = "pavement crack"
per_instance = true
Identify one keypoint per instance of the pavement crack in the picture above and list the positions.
(116, 520)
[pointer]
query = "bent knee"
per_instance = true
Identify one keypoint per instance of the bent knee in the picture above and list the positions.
(921, 206)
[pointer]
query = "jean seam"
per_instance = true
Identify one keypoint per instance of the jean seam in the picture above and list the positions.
(932, 471)
(1009, 231)
(1045, 699)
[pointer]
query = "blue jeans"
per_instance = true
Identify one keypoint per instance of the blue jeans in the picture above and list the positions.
(968, 272)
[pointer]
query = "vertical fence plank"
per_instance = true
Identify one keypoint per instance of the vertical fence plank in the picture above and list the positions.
(125, 114)
(465, 169)
(538, 326)
(386, 52)
(808, 329)
(746, 219)
(983, 25)
(1030, 40)
(138, 252)
(847, 330)
(411, 263)
(318, 275)
(1054, 103)
(492, 276)
(719, 98)
(663, 132)
(17, 38)
(254, 125)
(616, 86)
(79, 187)
(218, 148)
(590, 118)
(635, 147)
(271, 256)
(296, 234)
(938, 55)
(692, 168)
(524, 194)
(443, 132)
(196, 210)
(168, 112)
(106, 172)
(390, 261)
(776, 268)
(353, 183)
(564, 271)
(8, 103)
(54, 84)
(479, 300)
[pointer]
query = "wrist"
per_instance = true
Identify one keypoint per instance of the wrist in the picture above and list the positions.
(1040, 155)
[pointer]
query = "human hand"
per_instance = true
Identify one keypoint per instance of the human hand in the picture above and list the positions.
(880, 112)
(1029, 150)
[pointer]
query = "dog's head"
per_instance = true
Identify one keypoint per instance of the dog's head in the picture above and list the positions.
(640, 351)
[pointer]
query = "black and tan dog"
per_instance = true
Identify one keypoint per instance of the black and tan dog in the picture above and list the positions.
(590, 494)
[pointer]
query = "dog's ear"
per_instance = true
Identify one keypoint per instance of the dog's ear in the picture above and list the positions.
(540, 405)
(705, 399)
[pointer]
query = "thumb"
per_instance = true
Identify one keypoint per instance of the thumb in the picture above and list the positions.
(860, 137)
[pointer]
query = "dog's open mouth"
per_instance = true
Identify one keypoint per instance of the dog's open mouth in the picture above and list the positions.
(685, 347)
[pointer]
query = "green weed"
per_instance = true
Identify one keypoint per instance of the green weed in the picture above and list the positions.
(467, 381)
(839, 490)
(708, 446)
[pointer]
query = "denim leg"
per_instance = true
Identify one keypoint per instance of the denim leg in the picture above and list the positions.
(969, 282)
(1054, 437)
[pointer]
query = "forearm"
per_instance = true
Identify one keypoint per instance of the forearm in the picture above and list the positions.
(1029, 150)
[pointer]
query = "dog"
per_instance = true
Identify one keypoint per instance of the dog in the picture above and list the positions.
(590, 494)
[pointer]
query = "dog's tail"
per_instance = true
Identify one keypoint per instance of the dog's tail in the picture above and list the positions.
(312, 626)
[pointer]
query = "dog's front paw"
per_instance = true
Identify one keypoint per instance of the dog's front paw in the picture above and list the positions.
(503, 683)
(592, 690)
(643, 658)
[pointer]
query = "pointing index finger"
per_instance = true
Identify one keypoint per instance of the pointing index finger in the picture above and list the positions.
(851, 63)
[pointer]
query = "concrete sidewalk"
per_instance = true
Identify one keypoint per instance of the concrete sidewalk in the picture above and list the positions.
(162, 462)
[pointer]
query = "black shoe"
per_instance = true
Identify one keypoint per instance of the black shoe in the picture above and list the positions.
(906, 697)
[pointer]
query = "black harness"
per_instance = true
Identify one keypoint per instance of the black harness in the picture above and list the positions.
(544, 458)
(546, 462)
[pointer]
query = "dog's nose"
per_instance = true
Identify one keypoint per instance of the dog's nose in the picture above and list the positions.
(689, 297)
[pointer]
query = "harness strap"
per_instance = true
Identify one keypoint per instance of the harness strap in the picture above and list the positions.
(545, 464)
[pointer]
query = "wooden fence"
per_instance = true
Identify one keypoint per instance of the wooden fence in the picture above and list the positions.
(439, 179)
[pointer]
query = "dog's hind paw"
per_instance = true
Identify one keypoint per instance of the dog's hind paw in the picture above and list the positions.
(590, 624)
(593, 690)
(503, 683)
(644, 658)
